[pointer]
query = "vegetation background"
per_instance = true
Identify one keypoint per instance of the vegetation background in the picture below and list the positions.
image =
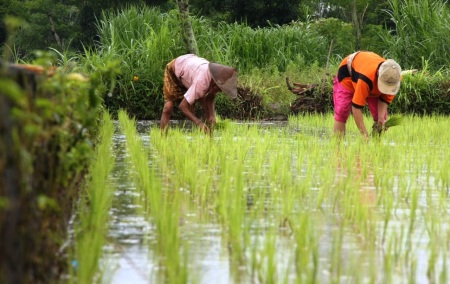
(266, 40)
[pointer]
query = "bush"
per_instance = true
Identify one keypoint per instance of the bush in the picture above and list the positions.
(424, 93)
(48, 124)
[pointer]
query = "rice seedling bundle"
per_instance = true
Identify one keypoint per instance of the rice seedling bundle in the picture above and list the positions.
(394, 120)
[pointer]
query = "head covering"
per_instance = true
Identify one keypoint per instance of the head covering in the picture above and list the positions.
(225, 77)
(389, 76)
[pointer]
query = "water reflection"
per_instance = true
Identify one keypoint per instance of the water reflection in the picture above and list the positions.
(127, 258)
(130, 258)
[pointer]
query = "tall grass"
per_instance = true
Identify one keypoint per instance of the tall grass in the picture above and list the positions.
(423, 93)
(421, 33)
(144, 40)
(264, 48)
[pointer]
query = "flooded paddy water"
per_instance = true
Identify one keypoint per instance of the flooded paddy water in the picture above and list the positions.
(279, 202)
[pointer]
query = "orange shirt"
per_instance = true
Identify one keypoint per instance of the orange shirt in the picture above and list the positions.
(363, 80)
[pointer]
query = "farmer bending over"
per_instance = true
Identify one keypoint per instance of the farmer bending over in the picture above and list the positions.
(364, 78)
(190, 78)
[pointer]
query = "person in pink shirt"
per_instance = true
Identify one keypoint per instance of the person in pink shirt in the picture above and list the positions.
(188, 79)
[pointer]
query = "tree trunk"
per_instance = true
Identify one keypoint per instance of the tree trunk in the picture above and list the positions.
(10, 249)
(186, 27)
(357, 26)
(52, 26)
(358, 23)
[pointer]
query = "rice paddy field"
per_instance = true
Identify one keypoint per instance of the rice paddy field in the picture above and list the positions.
(282, 202)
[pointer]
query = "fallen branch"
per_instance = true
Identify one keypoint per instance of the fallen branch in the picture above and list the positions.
(300, 88)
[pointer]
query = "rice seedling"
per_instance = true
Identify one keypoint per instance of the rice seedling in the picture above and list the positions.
(392, 121)
(318, 201)
(163, 209)
(222, 123)
(91, 230)
(268, 273)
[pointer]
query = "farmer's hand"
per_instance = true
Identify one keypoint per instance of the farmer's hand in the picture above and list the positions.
(377, 127)
(211, 125)
(380, 126)
(204, 127)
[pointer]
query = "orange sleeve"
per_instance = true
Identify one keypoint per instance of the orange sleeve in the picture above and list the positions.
(387, 98)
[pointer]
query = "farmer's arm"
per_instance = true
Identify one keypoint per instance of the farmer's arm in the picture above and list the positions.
(359, 120)
(208, 105)
(359, 100)
(382, 110)
(185, 108)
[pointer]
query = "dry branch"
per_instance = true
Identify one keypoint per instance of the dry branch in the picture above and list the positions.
(300, 88)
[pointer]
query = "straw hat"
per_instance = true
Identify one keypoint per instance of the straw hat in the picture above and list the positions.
(225, 77)
(389, 76)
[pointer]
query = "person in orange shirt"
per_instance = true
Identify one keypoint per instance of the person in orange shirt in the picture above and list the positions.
(364, 78)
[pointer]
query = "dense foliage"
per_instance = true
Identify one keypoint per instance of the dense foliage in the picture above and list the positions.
(422, 33)
(146, 39)
(292, 42)
(74, 22)
(256, 13)
(47, 133)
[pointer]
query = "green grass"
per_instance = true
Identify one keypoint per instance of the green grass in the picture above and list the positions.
(293, 203)
(91, 228)
(163, 210)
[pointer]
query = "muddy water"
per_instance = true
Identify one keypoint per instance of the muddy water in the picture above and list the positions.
(129, 255)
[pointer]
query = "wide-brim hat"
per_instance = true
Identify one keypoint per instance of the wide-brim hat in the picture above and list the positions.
(389, 77)
(225, 77)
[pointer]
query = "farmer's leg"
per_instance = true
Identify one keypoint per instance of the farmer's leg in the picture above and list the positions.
(339, 128)
(342, 100)
(173, 90)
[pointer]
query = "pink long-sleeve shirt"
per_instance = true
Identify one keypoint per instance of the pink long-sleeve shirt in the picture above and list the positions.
(193, 72)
